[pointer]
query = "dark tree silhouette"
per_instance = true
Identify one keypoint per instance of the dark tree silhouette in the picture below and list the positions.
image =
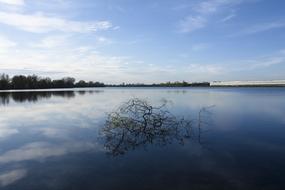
(19, 82)
(4, 81)
(35, 82)
(167, 84)
(81, 83)
(44, 83)
(32, 82)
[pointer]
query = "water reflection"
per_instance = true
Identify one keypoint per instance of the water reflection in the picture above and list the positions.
(35, 96)
(136, 123)
(53, 143)
(43, 150)
(4, 98)
(9, 177)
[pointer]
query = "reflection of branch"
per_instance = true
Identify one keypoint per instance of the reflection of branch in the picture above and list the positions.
(201, 120)
(137, 123)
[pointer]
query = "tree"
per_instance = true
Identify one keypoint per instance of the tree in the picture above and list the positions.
(68, 82)
(19, 82)
(36, 82)
(44, 83)
(81, 83)
(32, 82)
(4, 82)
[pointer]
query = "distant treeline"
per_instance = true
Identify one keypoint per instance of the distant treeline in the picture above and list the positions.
(168, 84)
(36, 82)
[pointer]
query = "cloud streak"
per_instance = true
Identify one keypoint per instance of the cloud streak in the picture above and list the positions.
(39, 23)
(229, 17)
(202, 13)
(200, 46)
(6, 43)
(192, 23)
(51, 41)
(213, 6)
(13, 2)
(260, 28)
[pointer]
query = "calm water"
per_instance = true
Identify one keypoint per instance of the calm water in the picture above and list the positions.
(221, 138)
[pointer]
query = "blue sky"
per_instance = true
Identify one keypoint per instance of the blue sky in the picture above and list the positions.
(117, 41)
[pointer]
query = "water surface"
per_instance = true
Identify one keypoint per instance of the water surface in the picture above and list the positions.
(61, 140)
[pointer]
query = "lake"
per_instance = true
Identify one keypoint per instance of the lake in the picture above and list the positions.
(143, 138)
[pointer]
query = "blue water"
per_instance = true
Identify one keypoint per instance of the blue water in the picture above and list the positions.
(59, 139)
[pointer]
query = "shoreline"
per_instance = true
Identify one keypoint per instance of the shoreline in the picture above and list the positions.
(132, 87)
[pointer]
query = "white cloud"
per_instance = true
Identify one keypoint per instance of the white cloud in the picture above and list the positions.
(6, 44)
(249, 65)
(40, 23)
(192, 23)
(264, 62)
(12, 176)
(232, 69)
(282, 51)
(79, 62)
(51, 41)
(203, 13)
(205, 69)
(104, 40)
(200, 46)
(207, 7)
(13, 2)
(84, 62)
(272, 61)
(260, 28)
(229, 17)
(212, 6)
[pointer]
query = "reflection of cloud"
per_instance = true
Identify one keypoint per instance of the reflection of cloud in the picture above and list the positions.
(41, 150)
(6, 132)
(5, 129)
(61, 133)
(10, 177)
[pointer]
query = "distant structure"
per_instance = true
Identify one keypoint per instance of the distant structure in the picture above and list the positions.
(248, 83)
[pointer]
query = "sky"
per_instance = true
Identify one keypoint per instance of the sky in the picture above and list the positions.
(144, 41)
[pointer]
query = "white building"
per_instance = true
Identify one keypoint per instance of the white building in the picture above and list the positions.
(249, 83)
